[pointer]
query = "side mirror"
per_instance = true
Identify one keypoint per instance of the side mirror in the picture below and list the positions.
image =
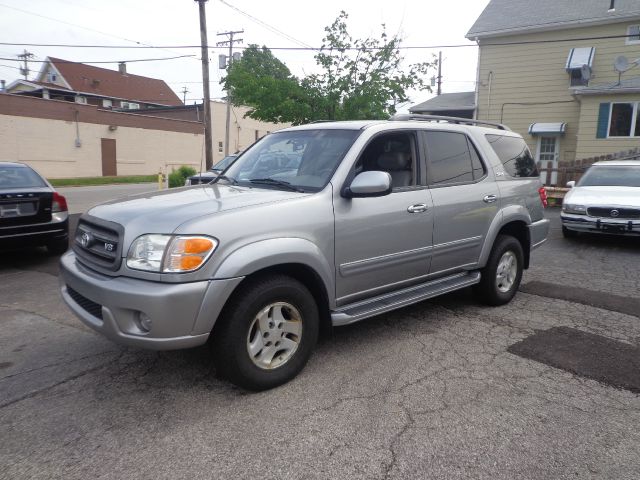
(369, 184)
(571, 184)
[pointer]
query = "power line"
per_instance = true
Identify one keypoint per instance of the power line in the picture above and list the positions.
(408, 47)
(140, 44)
(103, 61)
(267, 26)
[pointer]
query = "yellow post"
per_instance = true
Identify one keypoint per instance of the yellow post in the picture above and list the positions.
(160, 179)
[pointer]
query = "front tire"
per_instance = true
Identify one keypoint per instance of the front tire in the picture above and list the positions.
(501, 277)
(266, 332)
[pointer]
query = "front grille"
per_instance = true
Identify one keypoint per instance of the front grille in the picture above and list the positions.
(87, 305)
(98, 243)
(614, 212)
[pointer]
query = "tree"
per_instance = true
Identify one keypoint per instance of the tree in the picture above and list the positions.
(360, 79)
(262, 82)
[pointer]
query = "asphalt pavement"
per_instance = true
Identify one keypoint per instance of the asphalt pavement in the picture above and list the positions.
(81, 199)
(442, 389)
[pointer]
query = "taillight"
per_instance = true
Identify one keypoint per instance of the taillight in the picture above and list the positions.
(543, 196)
(59, 203)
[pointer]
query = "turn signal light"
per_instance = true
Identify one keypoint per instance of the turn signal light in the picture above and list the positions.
(188, 253)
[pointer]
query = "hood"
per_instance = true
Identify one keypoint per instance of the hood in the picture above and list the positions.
(164, 211)
(604, 196)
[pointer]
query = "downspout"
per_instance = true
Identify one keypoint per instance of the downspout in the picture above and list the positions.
(489, 96)
(76, 113)
(477, 89)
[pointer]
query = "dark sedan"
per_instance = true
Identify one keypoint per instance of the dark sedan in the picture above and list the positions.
(32, 213)
(213, 172)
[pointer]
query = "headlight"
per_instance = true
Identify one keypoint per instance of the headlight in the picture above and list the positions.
(170, 254)
(574, 209)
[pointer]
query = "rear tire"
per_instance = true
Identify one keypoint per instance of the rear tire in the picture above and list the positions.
(502, 275)
(58, 247)
(566, 233)
(266, 332)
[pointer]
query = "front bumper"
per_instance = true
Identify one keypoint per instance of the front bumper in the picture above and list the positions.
(182, 314)
(588, 224)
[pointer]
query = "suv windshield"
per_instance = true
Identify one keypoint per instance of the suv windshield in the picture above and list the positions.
(611, 176)
(19, 177)
(303, 160)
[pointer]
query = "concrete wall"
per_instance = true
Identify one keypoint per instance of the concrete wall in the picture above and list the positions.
(144, 145)
(524, 84)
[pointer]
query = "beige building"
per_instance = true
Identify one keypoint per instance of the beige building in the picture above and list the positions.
(552, 71)
(62, 139)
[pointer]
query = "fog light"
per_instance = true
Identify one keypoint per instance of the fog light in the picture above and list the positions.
(145, 322)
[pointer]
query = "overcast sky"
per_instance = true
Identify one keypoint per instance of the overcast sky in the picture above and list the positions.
(276, 24)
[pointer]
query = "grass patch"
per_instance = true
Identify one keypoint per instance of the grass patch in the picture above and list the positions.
(87, 181)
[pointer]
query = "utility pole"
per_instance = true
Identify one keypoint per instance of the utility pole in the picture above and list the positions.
(230, 43)
(208, 142)
(184, 95)
(439, 73)
(25, 57)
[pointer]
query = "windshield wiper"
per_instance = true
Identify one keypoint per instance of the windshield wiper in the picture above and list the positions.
(278, 183)
(231, 180)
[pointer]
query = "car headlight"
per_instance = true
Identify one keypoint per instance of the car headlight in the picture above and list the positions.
(574, 209)
(170, 253)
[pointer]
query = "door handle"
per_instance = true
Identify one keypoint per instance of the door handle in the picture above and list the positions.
(490, 198)
(417, 208)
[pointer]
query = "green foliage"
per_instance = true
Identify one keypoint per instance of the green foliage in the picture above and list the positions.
(187, 172)
(88, 181)
(360, 79)
(178, 177)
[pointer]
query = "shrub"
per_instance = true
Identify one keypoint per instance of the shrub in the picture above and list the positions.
(178, 177)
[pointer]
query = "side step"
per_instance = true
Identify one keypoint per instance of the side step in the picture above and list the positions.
(355, 312)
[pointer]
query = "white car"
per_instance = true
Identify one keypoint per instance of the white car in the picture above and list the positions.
(605, 200)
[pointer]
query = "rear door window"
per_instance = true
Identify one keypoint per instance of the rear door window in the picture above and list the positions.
(452, 159)
(514, 155)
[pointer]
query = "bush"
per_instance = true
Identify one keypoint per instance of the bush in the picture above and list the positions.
(178, 177)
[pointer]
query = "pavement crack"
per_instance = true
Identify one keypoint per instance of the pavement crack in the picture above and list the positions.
(24, 372)
(57, 384)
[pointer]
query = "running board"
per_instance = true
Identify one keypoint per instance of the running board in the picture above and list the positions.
(355, 312)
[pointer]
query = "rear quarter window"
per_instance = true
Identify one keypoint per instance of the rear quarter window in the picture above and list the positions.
(514, 155)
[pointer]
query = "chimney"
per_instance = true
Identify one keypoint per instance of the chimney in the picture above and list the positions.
(122, 68)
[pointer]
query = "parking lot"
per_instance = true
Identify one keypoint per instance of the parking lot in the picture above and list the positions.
(545, 387)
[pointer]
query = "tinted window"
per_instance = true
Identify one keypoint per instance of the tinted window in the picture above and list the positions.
(391, 153)
(619, 176)
(449, 158)
(19, 177)
(478, 167)
(514, 155)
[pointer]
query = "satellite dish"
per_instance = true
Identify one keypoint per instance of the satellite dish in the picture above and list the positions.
(621, 64)
(585, 70)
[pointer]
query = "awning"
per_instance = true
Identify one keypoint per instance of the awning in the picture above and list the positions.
(579, 57)
(547, 128)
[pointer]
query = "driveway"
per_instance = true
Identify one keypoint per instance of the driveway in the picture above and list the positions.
(541, 388)
(81, 199)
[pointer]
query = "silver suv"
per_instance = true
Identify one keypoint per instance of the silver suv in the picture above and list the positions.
(317, 225)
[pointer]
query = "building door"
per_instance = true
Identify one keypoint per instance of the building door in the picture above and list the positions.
(549, 151)
(109, 168)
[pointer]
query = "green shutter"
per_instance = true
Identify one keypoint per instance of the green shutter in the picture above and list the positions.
(603, 120)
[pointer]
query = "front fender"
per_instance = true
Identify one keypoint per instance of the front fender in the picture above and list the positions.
(278, 251)
(511, 213)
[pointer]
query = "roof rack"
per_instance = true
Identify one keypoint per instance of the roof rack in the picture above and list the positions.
(438, 118)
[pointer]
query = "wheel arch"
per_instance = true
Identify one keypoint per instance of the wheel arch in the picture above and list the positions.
(513, 221)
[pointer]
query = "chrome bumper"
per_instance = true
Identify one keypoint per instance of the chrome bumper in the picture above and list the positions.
(585, 223)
